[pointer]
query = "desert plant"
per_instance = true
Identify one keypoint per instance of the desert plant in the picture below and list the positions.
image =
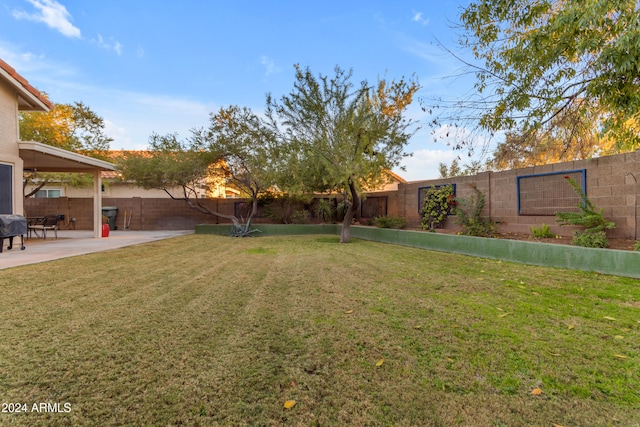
(242, 229)
(438, 202)
(542, 232)
(469, 216)
(390, 222)
(593, 221)
(341, 210)
(324, 210)
(593, 239)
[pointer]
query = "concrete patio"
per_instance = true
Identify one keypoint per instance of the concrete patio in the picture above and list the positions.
(76, 242)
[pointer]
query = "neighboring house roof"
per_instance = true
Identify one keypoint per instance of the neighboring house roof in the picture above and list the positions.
(396, 176)
(29, 98)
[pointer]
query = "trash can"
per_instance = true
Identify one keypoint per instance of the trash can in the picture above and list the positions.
(110, 212)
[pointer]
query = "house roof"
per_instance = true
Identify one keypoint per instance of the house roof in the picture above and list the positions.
(396, 176)
(29, 98)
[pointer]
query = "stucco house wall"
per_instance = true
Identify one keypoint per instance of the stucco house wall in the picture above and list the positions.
(9, 151)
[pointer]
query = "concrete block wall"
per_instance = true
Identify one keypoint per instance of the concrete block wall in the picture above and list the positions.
(146, 214)
(611, 185)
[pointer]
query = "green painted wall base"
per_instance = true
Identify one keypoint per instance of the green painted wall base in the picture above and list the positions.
(606, 261)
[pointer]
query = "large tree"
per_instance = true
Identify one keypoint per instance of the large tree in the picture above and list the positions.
(248, 150)
(540, 60)
(541, 146)
(73, 127)
(235, 149)
(340, 136)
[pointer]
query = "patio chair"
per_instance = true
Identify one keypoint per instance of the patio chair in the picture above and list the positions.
(50, 223)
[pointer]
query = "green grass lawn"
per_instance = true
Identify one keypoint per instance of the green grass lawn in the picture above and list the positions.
(210, 330)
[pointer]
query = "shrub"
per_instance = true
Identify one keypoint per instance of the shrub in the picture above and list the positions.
(324, 210)
(281, 208)
(636, 246)
(593, 221)
(367, 221)
(590, 239)
(469, 216)
(543, 232)
(301, 217)
(341, 210)
(438, 203)
(390, 222)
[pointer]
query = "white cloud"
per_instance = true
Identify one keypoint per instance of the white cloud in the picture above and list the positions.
(140, 52)
(36, 68)
(269, 66)
(420, 19)
(424, 164)
(111, 44)
(51, 13)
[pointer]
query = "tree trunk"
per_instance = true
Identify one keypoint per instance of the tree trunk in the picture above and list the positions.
(345, 234)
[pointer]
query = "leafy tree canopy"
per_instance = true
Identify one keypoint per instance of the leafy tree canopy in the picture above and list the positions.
(545, 59)
(247, 147)
(74, 127)
(337, 136)
(235, 149)
(545, 147)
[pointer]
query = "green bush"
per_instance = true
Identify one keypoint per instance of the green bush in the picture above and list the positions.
(390, 222)
(281, 208)
(588, 217)
(324, 210)
(469, 216)
(590, 239)
(637, 246)
(368, 221)
(438, 202)
(301, 217)
(341, 210)
(543, 232)
(593, 221)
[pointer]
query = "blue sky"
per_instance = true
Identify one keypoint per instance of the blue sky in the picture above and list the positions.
(159, 66)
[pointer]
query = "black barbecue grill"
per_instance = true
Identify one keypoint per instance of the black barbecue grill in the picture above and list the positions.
(11, 226)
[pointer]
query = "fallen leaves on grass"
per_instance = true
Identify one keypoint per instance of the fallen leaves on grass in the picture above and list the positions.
(536, 392)
(620, 356)
(571, 326)
(289, 404)
(609, 318)
(379, 363)
(348, 312)
(504, 314)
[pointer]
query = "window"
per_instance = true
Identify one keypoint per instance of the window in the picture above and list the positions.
(6, 189)
(548, 193)
(48, 194)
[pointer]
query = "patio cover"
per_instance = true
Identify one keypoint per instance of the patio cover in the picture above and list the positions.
(45, 158)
